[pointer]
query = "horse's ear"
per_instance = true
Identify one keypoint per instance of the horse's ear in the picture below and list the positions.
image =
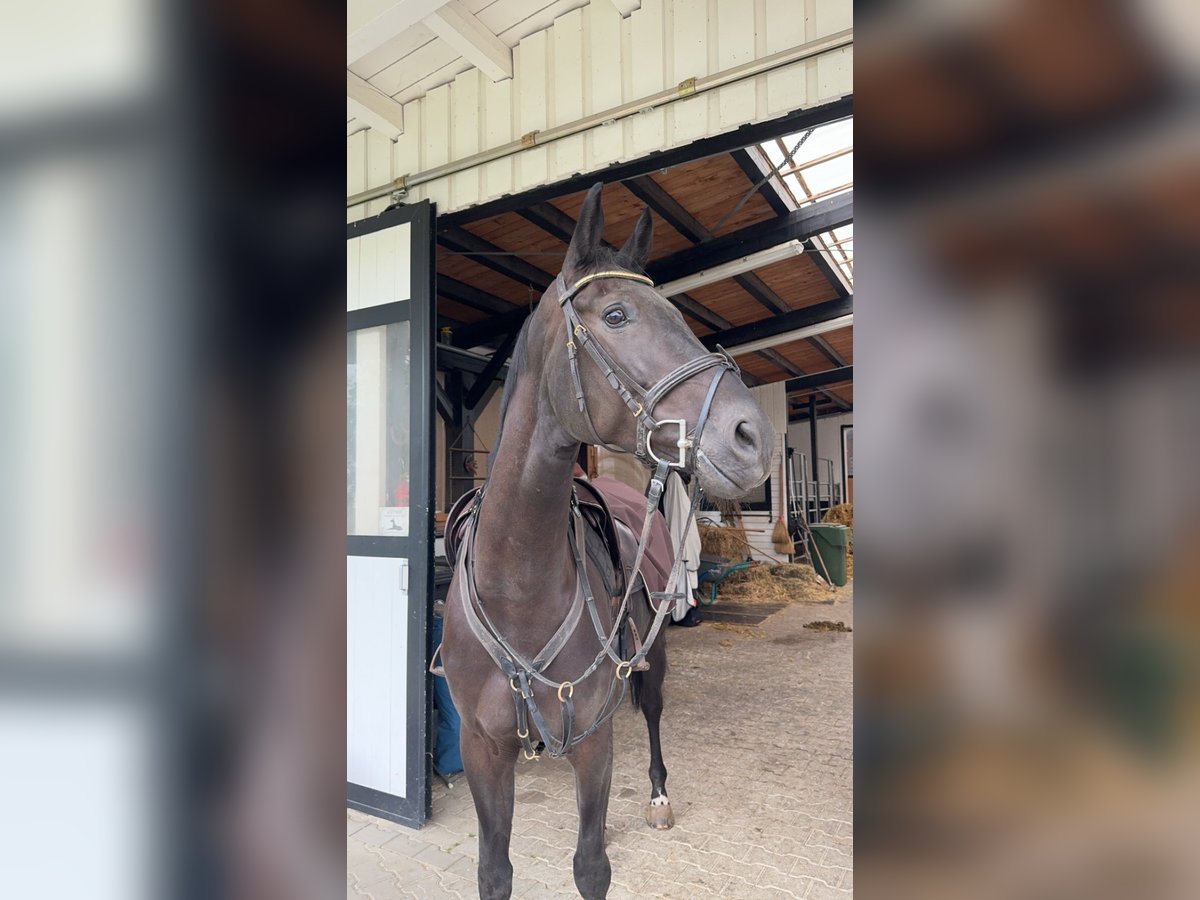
(637, 247)
(588, 232)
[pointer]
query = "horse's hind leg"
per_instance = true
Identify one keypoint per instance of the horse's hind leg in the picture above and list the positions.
(491, 776)
(658, 813)
(592, 761)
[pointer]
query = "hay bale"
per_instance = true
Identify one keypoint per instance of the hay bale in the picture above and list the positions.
(842, 514)
(723, 542)
(762, 583)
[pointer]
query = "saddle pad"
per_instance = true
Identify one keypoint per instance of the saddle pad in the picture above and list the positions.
(628, 507)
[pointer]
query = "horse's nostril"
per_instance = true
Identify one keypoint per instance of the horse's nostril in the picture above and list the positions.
(746, 434)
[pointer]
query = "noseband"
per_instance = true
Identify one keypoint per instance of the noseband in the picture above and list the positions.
(626, 387)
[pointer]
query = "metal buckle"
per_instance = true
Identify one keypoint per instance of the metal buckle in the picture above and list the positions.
(684, 443)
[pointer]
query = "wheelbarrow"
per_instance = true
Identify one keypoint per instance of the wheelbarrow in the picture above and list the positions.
(712, 571)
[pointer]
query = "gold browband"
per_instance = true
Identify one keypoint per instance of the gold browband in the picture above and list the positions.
(629, 276)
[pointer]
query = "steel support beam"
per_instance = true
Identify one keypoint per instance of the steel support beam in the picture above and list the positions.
(812, 443)
(799, 224)
(652, 194)
(495, 258)
(455, 359)
(819, 380)
(469, 295)
(776, 325)
(445, 406)
(484, 380)
(476, 334)
(550, 219)
(713, 146)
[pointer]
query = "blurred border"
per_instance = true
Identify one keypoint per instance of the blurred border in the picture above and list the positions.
(171, 556)
(1029, 513)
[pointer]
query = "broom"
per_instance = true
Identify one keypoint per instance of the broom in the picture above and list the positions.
(781, 539)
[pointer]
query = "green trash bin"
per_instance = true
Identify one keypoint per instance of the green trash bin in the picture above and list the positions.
(831, 542)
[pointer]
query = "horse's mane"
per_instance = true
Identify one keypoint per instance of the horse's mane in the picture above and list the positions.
(517, 363)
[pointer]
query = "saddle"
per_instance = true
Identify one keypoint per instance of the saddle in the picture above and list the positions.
(592, 505)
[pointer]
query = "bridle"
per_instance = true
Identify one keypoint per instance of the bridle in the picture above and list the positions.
(626, 387)
(524, 673)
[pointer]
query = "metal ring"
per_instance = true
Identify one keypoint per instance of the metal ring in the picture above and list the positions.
(533, 757)
(512, 683)
(522, 734)
(628, 669)
(570, 688)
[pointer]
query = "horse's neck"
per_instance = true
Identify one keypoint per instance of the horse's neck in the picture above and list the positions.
(522, 541)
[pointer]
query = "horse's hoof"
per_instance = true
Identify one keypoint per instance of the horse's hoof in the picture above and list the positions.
(660, 816)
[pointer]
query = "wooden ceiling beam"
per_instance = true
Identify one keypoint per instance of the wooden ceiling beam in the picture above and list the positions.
(372, 35)
(372, 107)
(456, 25)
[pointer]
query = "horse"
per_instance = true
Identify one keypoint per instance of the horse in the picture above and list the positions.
(516, 641)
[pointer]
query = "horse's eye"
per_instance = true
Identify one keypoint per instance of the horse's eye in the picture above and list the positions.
(614, 317)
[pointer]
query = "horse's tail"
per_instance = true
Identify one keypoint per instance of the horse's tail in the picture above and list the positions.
(635, 690)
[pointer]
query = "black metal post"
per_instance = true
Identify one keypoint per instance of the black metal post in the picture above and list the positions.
(812, 445)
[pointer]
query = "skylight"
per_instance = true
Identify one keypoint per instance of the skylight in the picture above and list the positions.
(814, 165)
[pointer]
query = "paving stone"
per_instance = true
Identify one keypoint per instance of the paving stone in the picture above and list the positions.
(437, 858)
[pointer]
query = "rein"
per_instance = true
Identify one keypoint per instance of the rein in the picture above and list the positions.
(523, 673)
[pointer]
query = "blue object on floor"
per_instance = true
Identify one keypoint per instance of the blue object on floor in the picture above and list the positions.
(447, 758)
(713, 575)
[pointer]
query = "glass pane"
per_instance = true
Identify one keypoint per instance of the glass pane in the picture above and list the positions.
(377, 430)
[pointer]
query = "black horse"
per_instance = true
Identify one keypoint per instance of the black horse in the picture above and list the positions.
(600, 335)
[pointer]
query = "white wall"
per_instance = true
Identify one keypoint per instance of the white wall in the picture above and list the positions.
(773, 399)
(589, 60)
(829, 443)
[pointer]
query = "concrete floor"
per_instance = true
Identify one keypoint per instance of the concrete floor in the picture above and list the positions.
(757, 741)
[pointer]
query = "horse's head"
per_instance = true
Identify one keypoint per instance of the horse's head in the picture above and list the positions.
(660, 373)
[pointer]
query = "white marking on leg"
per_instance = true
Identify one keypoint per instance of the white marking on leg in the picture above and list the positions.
(660, 800)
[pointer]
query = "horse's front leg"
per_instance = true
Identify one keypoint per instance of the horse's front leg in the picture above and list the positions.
(658, 814)
(592, 760)
(490, 772)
